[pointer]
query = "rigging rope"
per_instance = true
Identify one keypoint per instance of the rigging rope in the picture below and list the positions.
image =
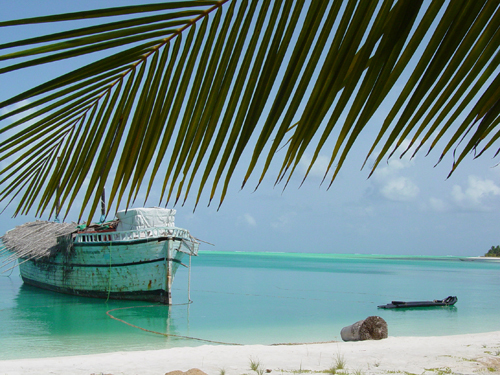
(11, 269)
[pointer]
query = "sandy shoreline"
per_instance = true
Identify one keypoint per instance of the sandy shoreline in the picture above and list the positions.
(461, 354)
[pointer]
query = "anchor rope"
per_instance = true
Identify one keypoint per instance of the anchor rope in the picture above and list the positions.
(108, 313)
(11, 270)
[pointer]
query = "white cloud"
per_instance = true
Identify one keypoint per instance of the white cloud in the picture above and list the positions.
(477, 195)
(319, 167)
(395, 165)
(390, 181)
(249, 219)
(400, 189)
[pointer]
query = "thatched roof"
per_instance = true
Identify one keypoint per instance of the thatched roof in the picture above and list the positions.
(37, 239)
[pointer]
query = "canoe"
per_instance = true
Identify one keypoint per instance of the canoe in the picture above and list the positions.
(449, 301)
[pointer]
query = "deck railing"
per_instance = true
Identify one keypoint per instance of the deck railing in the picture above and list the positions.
(130, 235)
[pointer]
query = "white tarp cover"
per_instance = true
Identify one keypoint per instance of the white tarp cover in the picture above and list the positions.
(143, 218)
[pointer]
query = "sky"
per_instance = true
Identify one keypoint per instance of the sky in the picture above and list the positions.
(407, 207)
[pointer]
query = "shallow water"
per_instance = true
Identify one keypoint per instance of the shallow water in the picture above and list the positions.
(251, 298)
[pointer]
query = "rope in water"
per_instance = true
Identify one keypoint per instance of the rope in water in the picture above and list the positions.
(108, 313)
(11, 270)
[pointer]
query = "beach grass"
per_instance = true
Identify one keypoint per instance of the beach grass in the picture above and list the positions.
(256, 366)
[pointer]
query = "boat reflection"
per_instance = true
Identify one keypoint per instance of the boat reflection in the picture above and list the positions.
(59, 324)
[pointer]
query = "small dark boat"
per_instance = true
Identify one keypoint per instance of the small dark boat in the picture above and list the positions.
(449, 301)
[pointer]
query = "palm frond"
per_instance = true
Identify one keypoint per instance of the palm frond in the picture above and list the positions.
(179, 92)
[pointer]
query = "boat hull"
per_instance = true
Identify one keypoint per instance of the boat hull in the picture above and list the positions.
(449, 301)
(134, 270)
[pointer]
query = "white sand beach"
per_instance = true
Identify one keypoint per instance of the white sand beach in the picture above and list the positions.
(461, 354)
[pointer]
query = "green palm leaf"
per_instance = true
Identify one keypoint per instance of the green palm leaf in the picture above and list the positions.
(180, 91)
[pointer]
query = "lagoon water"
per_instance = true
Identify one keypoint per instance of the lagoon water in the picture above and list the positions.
(256, 298)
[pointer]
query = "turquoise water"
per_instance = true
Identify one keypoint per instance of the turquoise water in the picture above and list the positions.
(252, 298)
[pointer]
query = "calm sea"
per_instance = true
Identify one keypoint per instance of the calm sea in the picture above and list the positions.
(251, 298)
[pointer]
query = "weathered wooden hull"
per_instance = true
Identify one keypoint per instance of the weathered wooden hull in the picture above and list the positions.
(135, 269)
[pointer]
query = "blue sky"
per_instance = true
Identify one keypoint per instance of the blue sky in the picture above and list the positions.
(406, 207)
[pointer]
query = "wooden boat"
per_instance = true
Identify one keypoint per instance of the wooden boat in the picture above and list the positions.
(449, 301)
(134, 257)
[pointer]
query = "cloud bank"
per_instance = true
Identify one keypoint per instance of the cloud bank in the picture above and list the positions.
(477, 196)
